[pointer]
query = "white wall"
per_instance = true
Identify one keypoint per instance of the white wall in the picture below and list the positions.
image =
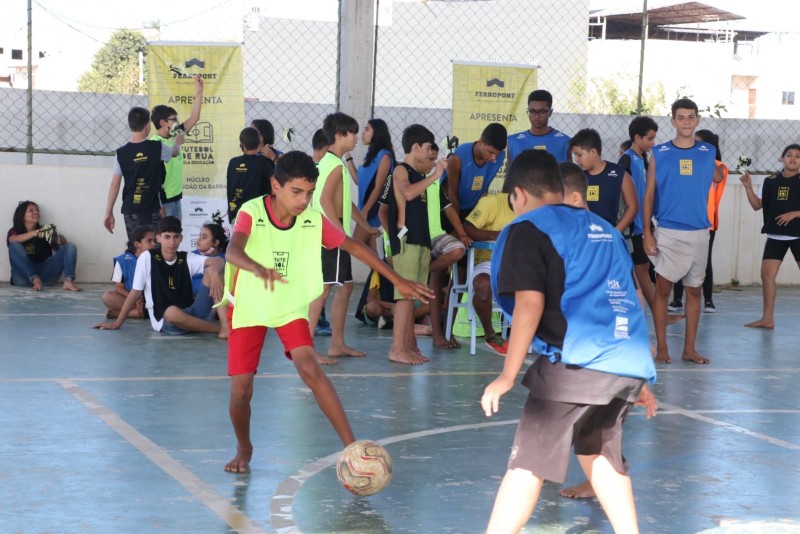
(74, 198)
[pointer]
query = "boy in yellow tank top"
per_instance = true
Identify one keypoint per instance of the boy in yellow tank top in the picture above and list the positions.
(333, 198)
(273, 273)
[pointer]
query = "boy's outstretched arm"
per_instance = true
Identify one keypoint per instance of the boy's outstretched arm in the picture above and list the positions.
(409, 290)
(127, 306)
(235, 255)
(194, 116)
(528, 310)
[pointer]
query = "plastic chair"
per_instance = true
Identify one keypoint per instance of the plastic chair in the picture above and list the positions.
(454, 300)
(473, 318)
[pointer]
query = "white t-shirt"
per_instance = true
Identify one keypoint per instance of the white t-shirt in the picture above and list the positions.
(117, 275)
(777, 237)
(141, 279)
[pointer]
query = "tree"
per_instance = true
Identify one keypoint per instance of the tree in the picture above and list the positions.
(612, 97)
(115, 67)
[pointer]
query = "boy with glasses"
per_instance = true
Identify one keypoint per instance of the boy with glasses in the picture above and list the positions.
(165, 120)
(540, 136)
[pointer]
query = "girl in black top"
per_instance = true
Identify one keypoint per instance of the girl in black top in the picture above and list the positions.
(38, 254)
(780, 200)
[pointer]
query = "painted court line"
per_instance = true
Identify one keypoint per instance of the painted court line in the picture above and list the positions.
(282, 502)
(93, 314)
(281, 511)
(197, 488)
(267, 376)
(692, 414)
(258, 377)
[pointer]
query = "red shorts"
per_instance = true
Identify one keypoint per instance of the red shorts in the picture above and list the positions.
(245, 344)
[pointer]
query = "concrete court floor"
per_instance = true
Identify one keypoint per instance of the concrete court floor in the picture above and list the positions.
(128, 432)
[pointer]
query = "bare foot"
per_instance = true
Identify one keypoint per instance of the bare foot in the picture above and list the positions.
(69, 285)
(761, 323)
(322, 360)
(240, 462)
(662, 357)
(441, 342)
(37, 284)
(674, 318)
(423, 330)
(694, 357)
(224, 332)
(581, 491)
(411, 358)
(344, 350)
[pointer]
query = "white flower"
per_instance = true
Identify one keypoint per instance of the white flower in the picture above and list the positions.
(743, 163)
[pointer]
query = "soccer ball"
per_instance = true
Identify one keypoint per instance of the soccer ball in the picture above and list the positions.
(364, 468)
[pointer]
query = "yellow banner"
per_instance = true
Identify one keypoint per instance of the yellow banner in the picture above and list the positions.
(214, 140)
(484, 93)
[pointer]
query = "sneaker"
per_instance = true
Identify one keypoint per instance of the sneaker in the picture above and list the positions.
(497, 344)
(675, 306)
(710, 308)
(322, 330)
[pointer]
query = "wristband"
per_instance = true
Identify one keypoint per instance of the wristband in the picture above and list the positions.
(349, 159)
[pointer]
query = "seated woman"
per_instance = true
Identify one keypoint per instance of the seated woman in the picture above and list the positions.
(143, 238)
(38, 254)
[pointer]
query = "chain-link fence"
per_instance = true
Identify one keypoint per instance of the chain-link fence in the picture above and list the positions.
(588, 59)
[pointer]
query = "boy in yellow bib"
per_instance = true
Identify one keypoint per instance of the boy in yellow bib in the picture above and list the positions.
(273, 273)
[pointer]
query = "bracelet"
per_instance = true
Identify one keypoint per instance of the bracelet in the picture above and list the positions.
(349, 159)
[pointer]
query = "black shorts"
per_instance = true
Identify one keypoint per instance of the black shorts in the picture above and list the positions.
(775, 249)
(638, 255)
(548, 430)
(140, 218)
(337, 267)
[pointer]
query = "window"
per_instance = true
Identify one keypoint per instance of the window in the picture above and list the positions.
(788, 98)
(16, 54)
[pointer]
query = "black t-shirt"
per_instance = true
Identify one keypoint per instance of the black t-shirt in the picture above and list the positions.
(530, 262)
(416, 213)
(248, 178)
(171, 284)
(604, 192)
(38, 248)
(143, 172)
(780, 195)
(625, 163)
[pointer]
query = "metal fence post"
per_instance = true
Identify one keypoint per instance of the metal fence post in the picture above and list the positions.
(29, 148)
(356, 58)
